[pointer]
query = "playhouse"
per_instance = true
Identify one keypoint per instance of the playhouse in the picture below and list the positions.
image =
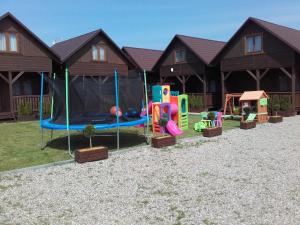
(258, 102)
(169, 110)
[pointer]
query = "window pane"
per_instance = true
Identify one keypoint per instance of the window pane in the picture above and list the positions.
(12, 42)
(95, 52)
(102, 54)
(182, 55)
(250, 44)
(179, 55)
(2, 42)
(258, 43)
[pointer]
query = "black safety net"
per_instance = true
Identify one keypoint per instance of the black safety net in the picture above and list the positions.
(92, 98)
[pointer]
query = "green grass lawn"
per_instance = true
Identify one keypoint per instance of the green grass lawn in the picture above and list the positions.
(20, 142)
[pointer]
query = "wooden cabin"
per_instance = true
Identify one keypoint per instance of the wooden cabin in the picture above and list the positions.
(23, 56)
(92, 54)
(262, 56)
(186, 66)
(144, 59)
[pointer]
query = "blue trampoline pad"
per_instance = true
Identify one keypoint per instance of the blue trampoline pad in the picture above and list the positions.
(48, 124)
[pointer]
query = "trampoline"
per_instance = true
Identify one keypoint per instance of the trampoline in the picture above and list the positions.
(106, 102)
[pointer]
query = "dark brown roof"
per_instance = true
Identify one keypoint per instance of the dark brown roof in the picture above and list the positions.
(205, 49)
(145, 59)
(66, 49)
(289, 36)
(43, 44)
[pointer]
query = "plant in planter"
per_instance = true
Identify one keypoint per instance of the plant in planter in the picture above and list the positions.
(247, 122)
(275, 108)
(214, 130)
(91, 153)
(286, 106)
(89, 132)
(163, 140)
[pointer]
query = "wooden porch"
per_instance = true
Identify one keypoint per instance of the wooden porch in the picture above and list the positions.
(32, 100)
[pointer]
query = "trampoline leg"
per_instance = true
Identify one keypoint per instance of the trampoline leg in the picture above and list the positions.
(69, 145)
(42, 139)
(118, 138)
(51, 135)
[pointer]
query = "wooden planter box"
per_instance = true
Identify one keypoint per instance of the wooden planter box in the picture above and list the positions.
(286, 113)
(91, 154)
(212, 132)
(275, 119)
(163, 141)
(247, 125)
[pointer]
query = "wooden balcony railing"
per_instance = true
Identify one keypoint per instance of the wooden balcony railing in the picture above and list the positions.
(33, 100)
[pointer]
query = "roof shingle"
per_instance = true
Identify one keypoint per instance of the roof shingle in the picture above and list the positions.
(205, 49)
(144, 58)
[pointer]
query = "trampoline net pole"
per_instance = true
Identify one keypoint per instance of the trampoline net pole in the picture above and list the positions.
(52, 97)
(117, 108)
(41, 109)
(146, 101)
(67, 111)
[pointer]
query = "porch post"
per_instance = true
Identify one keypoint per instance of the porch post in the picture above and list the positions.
(11, 93)
(223, 88)
(294, 88)
(257, 79)
(204, 91)
(183, 84)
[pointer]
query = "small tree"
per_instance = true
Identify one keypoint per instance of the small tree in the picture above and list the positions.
(89, 132)
(275, 104)
(211, 116)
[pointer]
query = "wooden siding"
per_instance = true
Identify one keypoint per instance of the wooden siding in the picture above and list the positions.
(31, 56)
(82, 62)
(191, 65)
(182, 69)
(94, 68)
(260, 61)
(275, 52)
(16, 62)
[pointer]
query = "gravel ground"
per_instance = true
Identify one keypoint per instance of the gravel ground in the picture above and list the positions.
(243, 177)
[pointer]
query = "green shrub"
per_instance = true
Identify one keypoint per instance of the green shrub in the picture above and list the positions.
(275, 104)
(285, 103)
(195, 101)
(25, 109)
(89, 132)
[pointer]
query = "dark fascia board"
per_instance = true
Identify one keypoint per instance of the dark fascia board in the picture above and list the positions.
(217, 59)
(97, 32)
(11, 16)
(170, 45)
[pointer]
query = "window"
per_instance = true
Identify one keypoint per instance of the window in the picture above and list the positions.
(12, 42)
(254, 44)
(95, 53)
(2, 42)
(179, 55)
(98, 53)
(8, 42)
(102, 54)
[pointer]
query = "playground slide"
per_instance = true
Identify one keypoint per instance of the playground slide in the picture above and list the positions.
(173, 129)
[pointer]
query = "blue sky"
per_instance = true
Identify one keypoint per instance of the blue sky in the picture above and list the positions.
(148, 24)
